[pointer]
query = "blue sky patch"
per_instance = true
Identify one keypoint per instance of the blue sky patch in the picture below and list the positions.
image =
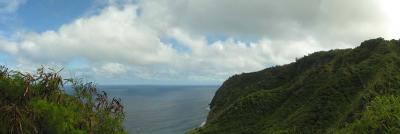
(43, 15)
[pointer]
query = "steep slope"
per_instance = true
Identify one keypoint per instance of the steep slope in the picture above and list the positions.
(319, 93)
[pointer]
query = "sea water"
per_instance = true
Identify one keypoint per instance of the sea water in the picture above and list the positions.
(163, 109)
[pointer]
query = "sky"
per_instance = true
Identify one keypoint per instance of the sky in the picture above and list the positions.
(182, 42)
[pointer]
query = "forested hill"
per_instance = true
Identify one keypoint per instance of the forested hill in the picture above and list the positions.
(338, 91)
(37, 104)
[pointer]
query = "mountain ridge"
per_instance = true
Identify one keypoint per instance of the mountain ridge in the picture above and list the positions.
(319, 93)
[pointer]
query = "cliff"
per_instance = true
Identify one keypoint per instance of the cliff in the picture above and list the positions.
(337, 91)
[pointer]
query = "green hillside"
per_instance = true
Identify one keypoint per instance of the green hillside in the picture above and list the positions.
(338, 91)
(37, 104)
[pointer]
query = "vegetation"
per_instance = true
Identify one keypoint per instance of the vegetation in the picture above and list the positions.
(338, 91)
(382, 115)
(37, 103)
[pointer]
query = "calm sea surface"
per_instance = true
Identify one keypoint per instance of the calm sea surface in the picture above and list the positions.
(163, 109)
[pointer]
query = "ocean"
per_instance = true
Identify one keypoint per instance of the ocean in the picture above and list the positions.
(163, 109)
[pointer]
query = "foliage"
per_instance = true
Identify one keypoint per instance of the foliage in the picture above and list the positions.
(319, 93)
(382, 115)
(37, 103)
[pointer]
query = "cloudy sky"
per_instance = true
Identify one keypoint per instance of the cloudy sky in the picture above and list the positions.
(182, 41)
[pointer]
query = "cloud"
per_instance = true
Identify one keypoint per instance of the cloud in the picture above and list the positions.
(10, 6)
(325, 20)
(8, 47)
(111, 69)
(128, 42)
(114, 35)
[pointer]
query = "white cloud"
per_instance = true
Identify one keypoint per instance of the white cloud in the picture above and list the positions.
(9, 6)
(8, 47)
(328, 21)
(111, 69)
(126, 42)
(114, 35)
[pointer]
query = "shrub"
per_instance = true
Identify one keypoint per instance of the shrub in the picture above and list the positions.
(37, 103)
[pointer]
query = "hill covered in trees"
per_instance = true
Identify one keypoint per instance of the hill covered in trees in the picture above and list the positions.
(37, 104)
(338, 91)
